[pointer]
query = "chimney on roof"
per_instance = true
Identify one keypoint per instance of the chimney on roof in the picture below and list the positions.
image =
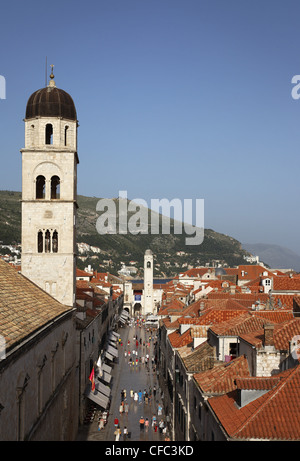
(268, 334)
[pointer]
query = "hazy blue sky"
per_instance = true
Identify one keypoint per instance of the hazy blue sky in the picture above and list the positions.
(175, 99)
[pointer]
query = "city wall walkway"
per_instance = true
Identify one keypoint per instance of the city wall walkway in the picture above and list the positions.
(130, 377)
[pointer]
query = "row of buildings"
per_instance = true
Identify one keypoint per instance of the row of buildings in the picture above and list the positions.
(48, 351)
(228, 354)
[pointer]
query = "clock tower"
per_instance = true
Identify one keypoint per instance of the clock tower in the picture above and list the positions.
(148, 283)
(49, 192)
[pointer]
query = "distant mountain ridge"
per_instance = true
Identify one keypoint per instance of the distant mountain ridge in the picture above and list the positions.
(172, 255)
(275, 256)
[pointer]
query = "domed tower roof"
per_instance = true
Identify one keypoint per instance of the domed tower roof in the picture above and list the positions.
(51, 102)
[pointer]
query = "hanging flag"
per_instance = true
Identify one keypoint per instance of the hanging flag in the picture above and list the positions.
(99, 366)
(92, 379)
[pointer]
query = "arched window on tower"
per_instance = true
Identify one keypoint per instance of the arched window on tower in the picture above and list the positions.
(55, 242)
(66, 135)
(148, 265)
(49, 134)
(47, 241)
(40, 187)
(40, 242)
(55, 187)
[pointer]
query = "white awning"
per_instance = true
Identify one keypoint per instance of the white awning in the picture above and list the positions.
(121, 320)
(106, 368)
(113, 351)
(98, 398)
(115, 334)
(108, 356)
(125, 313)
(106, 377)
(103, 388)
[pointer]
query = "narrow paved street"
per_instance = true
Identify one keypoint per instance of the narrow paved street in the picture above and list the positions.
(137, 378)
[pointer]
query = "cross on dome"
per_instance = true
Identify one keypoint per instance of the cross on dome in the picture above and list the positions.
(52, 82)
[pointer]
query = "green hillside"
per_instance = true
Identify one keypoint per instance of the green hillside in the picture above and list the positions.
(119, 248)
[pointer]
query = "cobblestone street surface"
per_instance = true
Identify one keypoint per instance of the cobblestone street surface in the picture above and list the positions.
(136, 378)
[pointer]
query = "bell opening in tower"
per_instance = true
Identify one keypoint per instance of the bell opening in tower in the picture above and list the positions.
(49, 134)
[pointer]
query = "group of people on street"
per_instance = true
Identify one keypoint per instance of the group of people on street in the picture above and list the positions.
(141, 351)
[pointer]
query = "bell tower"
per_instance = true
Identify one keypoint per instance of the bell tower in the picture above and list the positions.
(148, 283)
(49, 192)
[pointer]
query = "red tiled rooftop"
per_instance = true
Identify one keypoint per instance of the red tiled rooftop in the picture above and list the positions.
(273, 416)
(283, 334)
(286, 283)
(222, 378)
(177, 340)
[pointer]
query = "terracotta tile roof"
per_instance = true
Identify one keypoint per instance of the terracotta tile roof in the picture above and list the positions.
(24, 307)
(251, 272)
(174, 305)
(81, 273)
(82, 284)
(257, 383)
(177, 340)
(286, 283)
(273, 416)
(201, 359)
(285, 300)
(196, 272)
(283, 334)
(222, 377)
(275, 316)
(250, 298)
(237, 326)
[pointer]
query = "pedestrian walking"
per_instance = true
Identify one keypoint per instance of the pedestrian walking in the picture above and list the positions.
(140, 396)
(117, 433)
(161, 426)
(126, 408)
(146, 423)
(159, 410)
(136, 397)
(116, 422)
(101, 424)
(131, 393)
(153, 421)
(125, 433)
(142, 422)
